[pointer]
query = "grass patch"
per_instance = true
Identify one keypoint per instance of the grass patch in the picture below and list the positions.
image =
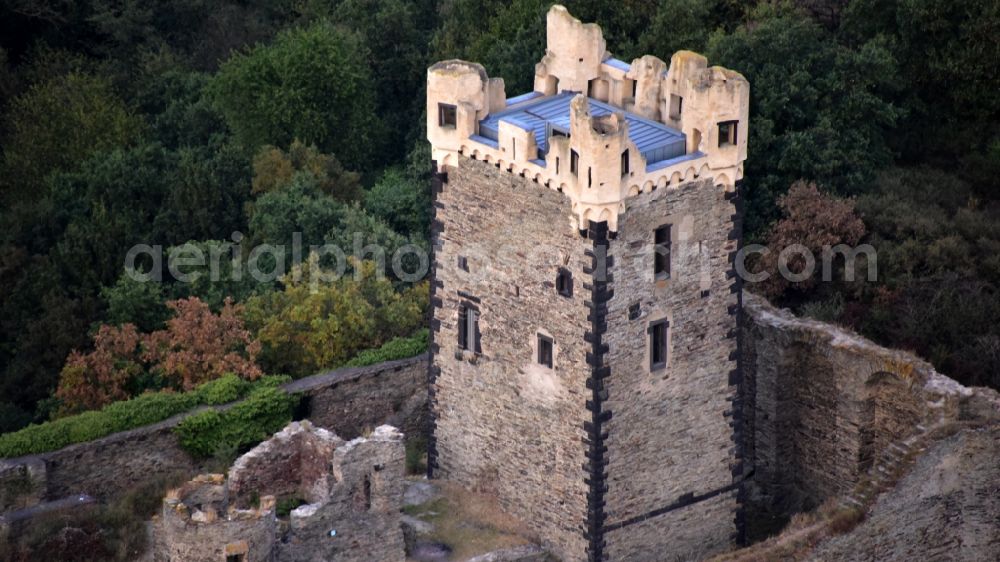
(416, 455)
(470, 524)
(287, 505)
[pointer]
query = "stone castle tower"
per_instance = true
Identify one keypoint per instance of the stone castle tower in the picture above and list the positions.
(585, 305)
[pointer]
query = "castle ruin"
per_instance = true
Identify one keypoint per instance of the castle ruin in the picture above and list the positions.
(585, 307)
(351, 495)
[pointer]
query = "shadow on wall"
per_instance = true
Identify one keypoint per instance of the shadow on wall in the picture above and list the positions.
(823, 404)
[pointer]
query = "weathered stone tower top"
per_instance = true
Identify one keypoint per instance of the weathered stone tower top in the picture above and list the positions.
(596, 128)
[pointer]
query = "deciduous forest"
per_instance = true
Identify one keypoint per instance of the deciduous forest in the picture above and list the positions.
(178, 123)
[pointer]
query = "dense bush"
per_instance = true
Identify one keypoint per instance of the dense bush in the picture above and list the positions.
(247, 423)
(396, 348)
(316, 324)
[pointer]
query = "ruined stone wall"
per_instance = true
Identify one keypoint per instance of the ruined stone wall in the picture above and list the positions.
(945, 508)
(670, 438)
(823, 402)
(361, 508)
(293, 463)
(506, 424)
(194, 526)
(345, 400)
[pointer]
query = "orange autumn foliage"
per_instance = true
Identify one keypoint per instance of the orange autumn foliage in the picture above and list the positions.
(195, 347)
(198, 346)
(89, 381)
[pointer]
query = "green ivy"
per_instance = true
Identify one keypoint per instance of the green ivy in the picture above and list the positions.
(396, 348)
(247, 423)
(142, 410)
(267, 409)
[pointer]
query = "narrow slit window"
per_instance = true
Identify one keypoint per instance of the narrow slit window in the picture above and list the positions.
(564, 282)
(590, 178)
(368, 491)
(447, 116)
(545, 351)
(625, 165)
(661, 247)
(658, 345)
(574, 162)
(468, 328)
(727, 133)
(557, 164)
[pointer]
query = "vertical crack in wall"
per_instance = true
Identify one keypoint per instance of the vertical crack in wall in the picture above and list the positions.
(596, 434)
(438, 179)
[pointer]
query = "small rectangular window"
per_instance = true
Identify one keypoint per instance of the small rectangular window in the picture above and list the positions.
(633, 311)
(625, 166)
(545, 351)
(676, 104)
(447, 116)
(661, 248)
(727, 133)
(658, 345)
(635, 85)
(463, 263)
(564, 282)
(468, 328)
(557, 164)
(234, 558)
(574, 162)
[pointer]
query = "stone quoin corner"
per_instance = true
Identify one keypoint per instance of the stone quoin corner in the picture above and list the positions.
(594, 394)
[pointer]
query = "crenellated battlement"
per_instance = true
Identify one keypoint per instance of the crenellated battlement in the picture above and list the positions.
(673, 124)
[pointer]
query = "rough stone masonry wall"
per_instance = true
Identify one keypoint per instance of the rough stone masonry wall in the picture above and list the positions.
(295, 462)
(819, 397)
(345, 401)
(670, 440)
(505, 424)
(194, 527)
(362, 506)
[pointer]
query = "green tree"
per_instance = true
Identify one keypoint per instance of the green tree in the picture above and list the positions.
(949, 61)
(209, 187)
(57, 124)
(818, 111)
(221, 276)
(136, 302)
(677, 25)
(398, 60)
(315, 324)
(300, 207)
(274, 169)
(401, 201)
(311, 84)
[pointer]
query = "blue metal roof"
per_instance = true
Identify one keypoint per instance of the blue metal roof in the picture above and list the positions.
(619, 64)
(539, 115)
